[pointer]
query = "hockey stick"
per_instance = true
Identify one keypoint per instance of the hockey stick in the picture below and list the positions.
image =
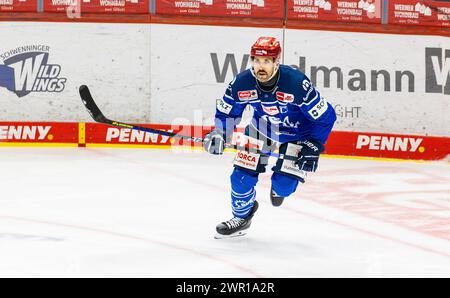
(98, 116)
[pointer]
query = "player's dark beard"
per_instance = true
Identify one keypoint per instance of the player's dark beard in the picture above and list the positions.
(270, 84)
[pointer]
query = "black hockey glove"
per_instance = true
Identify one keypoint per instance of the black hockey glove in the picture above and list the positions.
(214, 142)
(308, 157)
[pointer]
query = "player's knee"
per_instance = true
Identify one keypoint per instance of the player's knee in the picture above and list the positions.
(284, 185)
(243, 181)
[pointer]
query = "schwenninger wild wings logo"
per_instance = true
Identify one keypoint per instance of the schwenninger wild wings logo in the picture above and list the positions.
(27, 69)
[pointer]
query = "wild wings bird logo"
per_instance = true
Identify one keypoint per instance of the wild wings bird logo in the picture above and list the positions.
(27, 69)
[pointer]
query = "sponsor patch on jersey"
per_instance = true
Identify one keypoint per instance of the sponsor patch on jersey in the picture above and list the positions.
(224, 107)
(248, 95)
(319, 108)
(285, 97)
(272, 110)
(247, 160)
(306, 85)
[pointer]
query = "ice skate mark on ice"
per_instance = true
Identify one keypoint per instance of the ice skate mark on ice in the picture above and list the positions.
(183, 248)
(367, 232)
(264, 182)
(422, 210)
(160, 169)
(16, 236)
(359, 204)
(379, 170)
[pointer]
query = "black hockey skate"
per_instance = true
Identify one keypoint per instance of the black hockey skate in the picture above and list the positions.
(236, 226)
(275, 199)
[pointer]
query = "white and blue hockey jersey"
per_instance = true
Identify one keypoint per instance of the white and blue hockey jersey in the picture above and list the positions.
(293, 111)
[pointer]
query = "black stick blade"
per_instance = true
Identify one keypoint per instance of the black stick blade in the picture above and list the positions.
(90, 104)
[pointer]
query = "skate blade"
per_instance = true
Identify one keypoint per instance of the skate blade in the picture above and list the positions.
(234, 235)
(277, 202)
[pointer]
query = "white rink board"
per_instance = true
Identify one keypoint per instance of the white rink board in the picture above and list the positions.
(166, 74)
(113, 59)
(184, 83)
(391, 111)
(189, 82)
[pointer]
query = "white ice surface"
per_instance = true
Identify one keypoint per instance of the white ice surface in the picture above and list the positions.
(150, 213)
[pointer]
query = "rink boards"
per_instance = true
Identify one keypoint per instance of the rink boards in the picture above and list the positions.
(390, 91)
(98, 135)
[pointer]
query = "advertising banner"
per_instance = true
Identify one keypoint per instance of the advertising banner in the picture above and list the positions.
(388, 146)
(99, 134)
(42, 66)
(18, 6)
(229, 8)
(91, 134)
(97, 6)
(373, 86)
(340, 143)
(363, 11)
(414, 12)
(39, 133)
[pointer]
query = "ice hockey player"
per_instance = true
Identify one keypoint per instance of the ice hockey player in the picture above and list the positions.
(288, 114)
